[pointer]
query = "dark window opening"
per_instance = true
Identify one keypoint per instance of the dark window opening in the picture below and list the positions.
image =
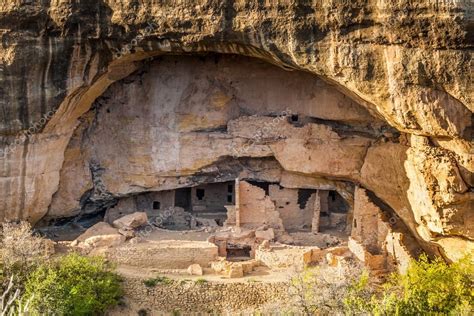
(156, 205)
(303, 197)
(229, 199)
(294, 118)
(183, 198)
(200, 194)
(336, 203)
(238, 252)
(230, 188)
(335, 217)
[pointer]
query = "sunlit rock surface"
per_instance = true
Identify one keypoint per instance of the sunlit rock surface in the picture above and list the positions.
(358, 68)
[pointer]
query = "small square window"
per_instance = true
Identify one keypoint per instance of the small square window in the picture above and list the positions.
(200, 194)
(156, 205)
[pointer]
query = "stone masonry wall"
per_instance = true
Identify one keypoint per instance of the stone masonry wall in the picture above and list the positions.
(166, 254)
(187, 296)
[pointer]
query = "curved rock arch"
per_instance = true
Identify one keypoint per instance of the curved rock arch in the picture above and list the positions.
(413, 90)
(310, 173)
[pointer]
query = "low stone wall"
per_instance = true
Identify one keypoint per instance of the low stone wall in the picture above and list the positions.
(191, 296)
(165, 254)
(284, 256)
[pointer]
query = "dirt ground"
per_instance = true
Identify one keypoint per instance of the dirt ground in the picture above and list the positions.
(320, 240)
(260, 274)
(163, 234)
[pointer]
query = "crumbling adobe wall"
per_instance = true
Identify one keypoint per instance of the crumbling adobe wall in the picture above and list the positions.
(293, 215)
(376, 239)
(367, 227)
(257, 208)
(141, 203)
(215, 197)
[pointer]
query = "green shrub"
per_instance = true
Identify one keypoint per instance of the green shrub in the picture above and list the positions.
(359, 296)
(200, 281)
(158, 280)
(428, 288)
(150, 282)
(73, 285)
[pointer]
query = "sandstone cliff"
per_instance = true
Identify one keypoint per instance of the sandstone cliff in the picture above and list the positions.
(396, 75)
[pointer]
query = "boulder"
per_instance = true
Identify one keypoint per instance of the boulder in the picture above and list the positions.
(268, 234)
(236, 271)
(286, 239)
(99, 229)
(220, 266)
(127, 233)
(331, 259)
(265, 245)
(195, 269)
(249, 265)
(241, 233)
(263, 227)
(131, 221)
(105, 241)
(207, 222)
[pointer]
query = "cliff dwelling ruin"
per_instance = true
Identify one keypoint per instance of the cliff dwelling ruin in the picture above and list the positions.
(234, 158)
(235, 142)
(256, 204)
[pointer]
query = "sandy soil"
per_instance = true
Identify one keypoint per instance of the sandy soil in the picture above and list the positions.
(163, 234)
(260, 274)
(320, 240)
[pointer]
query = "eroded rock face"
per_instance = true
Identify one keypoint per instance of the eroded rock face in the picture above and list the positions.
(184, 115)
(402, 64)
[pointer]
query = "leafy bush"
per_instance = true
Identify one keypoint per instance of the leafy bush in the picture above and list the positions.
(150, 282)
(428, 288)
(73, 285)
(158, 280)
(359, 295)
